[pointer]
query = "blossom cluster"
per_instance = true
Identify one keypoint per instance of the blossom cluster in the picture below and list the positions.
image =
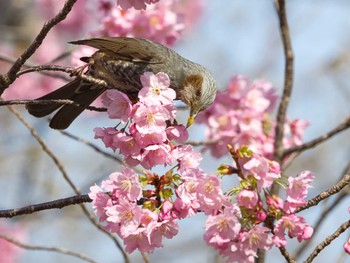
(146, 137)
(142, 216)
(143, 210)
(240, 115)
(160, 22)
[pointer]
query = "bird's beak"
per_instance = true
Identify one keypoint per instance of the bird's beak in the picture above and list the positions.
(190, 121)
(193, 113)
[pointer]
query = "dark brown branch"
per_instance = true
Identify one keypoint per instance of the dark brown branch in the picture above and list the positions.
(298, 149)
(46, 102)
(288, 79)
(7, 79)
(328, 241)
(326, 212)
(52, 249)
(320, 220)
(56, 204)
(286, 255)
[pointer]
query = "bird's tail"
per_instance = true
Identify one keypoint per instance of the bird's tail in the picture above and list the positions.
(79, 91)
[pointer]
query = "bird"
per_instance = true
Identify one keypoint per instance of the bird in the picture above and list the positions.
(119, 62)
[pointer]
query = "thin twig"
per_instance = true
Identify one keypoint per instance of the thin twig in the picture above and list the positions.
(45, 149)
(322, 217)
(7, 79)
(65, 176)
(331, 191)
(52, 249)
(56, 204)
(300, 148)
(93, 146)
(328, 241)
(288, 79)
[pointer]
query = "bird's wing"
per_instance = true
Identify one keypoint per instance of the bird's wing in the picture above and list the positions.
(128, 49)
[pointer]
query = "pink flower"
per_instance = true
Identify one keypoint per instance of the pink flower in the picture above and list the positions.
(124, 184)
(296, 227)
(297, 191)
(156, 155)
(347, 246)
(209, 194)
(222, 228)
(118, 104)
(156, 89)
(256, 238)
(107, 135)
(100, 201)
(127, 144)
(241, 116)
(150, 119)
(124, 215)
(264, 170)
(168, 228)
(274, 202)
(247, 198)
(187, 158)
(178, 133)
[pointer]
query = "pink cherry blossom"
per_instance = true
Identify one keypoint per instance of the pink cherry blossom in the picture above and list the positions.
(118, 104)
(100, 201)
(297, 191)
(264, 170)
(126, 184)
(177, 132)
(222, 228)
(347, 246)
(127, 144)
(256, 238)
(295, 226)
(187, 158)
(156, 155)
(241, 115)
(107, 135)
(156, 89)
(247, 198)
(209, 194)
(150, 119)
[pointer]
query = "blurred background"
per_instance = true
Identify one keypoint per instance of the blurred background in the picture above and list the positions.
(229, 37)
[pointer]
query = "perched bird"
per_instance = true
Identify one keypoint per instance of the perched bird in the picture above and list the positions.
(120, 61)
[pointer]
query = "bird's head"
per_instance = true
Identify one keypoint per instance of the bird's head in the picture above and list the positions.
(199, 91)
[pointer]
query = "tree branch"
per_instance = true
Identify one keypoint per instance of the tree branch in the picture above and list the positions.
(327, 241)
(288, 79)
(56, 204)
(52, 249)
(322, 196)
(7, 79)
(300, 148)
